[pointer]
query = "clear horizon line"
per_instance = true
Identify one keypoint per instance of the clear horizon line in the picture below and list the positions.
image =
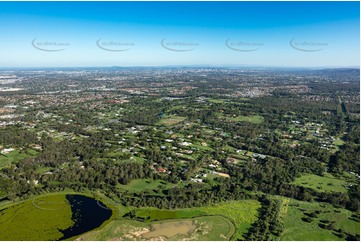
(169, 66)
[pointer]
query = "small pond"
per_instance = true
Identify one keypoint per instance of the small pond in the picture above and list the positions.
(87, 213)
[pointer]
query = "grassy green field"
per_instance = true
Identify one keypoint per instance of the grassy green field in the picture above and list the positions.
(119, 154)
(211, 100)
(326, 183)
(241, 213)
(36, 219)
(241, 157)
(41, 169)
(14, 156)
(41, 217)
(138, 185)
(171, 120)
(298, 229)
(338, 142)
(229, 148)
(201, 147)
(256, 119)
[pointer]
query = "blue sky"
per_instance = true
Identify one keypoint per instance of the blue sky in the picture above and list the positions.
(299, 34)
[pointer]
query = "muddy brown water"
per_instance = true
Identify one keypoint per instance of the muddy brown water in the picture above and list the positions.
(170, 229)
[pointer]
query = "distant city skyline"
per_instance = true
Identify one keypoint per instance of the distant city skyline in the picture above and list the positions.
(253, 34)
